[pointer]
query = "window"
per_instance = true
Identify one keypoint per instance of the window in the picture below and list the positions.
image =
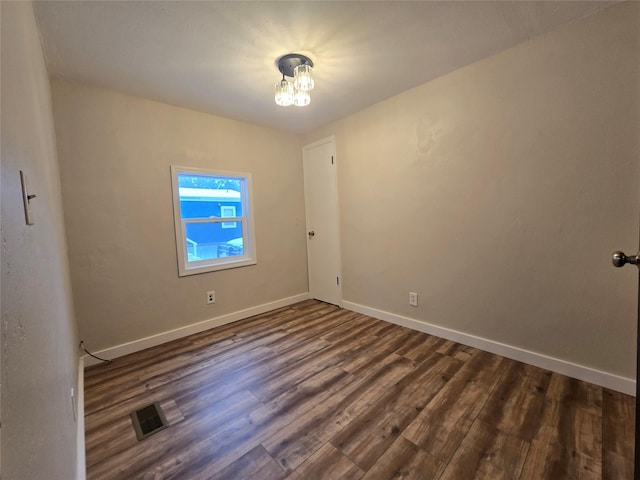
(213, 220)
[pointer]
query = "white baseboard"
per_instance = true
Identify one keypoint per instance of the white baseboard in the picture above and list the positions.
(164, 337)
(81, 464)
(581, 372)
(597, 377)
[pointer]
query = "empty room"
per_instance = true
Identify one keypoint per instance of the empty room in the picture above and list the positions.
(319, 240)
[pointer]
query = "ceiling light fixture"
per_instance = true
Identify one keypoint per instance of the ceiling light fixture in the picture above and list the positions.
(300, 68)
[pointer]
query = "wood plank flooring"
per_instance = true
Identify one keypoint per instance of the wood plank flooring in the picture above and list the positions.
(312, 391)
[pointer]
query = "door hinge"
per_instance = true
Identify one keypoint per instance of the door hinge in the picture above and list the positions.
(331, 159)
(337, 280)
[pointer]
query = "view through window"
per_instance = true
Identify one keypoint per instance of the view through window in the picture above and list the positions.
(212, 220)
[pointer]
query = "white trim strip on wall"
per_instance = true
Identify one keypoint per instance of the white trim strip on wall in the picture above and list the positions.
(164, 337)
(597, 377)
(580, 372)
(81, 464)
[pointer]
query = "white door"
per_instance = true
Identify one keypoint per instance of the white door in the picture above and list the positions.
(321, 209)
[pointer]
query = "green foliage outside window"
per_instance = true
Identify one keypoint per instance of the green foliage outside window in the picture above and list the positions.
(208, 182)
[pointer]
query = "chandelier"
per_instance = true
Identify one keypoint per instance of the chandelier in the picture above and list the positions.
(300, 68)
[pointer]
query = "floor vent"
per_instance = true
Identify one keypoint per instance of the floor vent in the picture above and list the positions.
(148, 420)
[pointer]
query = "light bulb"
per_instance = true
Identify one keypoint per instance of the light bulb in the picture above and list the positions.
(301, 98)
(303, 77)
(284, 93)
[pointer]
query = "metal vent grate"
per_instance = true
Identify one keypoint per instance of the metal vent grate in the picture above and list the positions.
(148, 420)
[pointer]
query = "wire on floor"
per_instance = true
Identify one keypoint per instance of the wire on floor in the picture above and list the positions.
(91, 354)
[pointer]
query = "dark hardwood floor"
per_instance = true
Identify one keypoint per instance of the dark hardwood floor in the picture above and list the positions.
(312, 391)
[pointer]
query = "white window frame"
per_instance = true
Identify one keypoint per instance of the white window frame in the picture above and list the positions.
(185, 267)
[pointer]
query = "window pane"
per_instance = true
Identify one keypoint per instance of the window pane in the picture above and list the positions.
(207, 196)
(205, 241)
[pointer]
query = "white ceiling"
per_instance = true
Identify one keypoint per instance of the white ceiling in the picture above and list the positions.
(219, 57)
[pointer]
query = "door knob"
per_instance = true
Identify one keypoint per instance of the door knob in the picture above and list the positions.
(312, 233)
(619, 259)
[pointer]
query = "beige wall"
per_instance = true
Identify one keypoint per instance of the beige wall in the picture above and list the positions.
(39, 342)
(115, 152)
(499, 192)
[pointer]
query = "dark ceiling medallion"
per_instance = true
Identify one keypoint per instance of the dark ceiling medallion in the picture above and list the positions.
(287, 63)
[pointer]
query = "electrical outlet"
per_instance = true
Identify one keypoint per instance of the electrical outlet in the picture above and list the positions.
(413, 299)
(211, 297)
